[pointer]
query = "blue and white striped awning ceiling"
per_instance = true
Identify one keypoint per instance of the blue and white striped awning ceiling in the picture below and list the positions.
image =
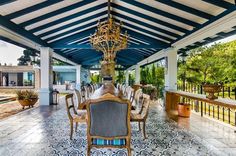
(65, 25)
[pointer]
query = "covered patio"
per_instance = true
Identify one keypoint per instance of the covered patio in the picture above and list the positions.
(156, 30)
(45, 131)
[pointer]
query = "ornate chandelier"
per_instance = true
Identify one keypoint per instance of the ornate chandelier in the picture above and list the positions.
(108, 38)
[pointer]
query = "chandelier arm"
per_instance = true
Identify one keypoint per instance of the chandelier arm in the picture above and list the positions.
(108, 38)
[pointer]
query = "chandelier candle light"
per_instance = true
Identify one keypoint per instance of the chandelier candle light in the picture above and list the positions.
(109, 40)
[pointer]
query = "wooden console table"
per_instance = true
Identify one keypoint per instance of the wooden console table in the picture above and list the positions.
(172, 100)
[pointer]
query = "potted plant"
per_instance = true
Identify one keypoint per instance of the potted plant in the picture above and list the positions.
(211, 89)
(27, 97)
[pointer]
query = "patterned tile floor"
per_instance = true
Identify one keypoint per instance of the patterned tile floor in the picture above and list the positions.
(45, 131)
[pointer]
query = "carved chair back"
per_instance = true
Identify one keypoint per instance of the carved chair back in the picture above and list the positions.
(109, 119)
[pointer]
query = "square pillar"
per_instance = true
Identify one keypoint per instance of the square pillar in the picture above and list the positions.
(137, 74)
(127, 78)
(78, 81)
(46, 76)
(171, 70)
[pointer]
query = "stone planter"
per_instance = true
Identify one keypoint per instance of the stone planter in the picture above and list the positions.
(28, 102)
(184, 110)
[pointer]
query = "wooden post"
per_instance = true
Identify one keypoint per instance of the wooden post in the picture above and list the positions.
(172, 101)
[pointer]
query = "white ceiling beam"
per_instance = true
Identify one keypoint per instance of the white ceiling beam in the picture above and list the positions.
(220, 25)
(18, 38)
(28, 43)
(157, 56)
(63, 59)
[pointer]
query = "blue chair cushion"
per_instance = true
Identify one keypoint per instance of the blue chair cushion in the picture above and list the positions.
(115, 142)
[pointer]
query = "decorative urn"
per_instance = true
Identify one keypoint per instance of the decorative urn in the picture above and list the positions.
(211, 89)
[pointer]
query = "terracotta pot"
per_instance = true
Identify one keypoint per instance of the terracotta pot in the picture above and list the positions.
(28, 102)
(184, 110)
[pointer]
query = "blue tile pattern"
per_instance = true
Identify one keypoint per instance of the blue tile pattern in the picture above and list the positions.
(45, 131)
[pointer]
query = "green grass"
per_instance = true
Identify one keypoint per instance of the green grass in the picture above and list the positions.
(3, 102)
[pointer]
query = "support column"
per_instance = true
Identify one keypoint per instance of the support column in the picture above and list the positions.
(127, 77)
(78, 81)
(137, 74)
(45, 96)
(171, 70)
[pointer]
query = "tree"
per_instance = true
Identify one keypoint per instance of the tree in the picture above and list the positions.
(120, 77)
(212, 64)
(25, 58)
(95, 78)
(58, 63)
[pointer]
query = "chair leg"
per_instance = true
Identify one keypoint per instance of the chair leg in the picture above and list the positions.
(71, 130)
(129, 151)
(76, 126)
(139, 126)
(128, 147)
(144, 131)
(88, 150)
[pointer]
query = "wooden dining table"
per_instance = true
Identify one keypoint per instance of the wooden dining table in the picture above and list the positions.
(104, 89)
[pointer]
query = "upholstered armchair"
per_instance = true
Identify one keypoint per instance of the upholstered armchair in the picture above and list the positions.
(108, 123)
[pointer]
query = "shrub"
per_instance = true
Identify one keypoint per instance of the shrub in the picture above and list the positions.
(26, 94)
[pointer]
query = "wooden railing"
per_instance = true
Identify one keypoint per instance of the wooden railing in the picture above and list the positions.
(221, 108)
(227, 91)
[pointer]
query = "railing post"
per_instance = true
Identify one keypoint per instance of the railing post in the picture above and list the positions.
(234, 93)
(229, 115)
(201, 109)
(205, 107)
(213, 111)
(223, 89)
(218, 111)
(201, 101)
(223, 109)
(209, 110)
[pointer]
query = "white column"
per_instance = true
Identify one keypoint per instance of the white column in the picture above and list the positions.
(137, 74)
(171, 70)
(45, 96)
(78, 72)
(127, 77)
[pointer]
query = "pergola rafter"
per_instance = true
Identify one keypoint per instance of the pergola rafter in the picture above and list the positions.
(68, 25)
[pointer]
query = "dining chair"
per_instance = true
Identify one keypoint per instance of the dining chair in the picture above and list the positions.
(130, 94)
(77, 98)
(74, 116)
(88, 91)
(137, 102)
(109, 123)
(83, 93)
(124, 90)
(142, 116)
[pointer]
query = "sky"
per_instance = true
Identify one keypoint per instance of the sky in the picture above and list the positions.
(9, 53)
